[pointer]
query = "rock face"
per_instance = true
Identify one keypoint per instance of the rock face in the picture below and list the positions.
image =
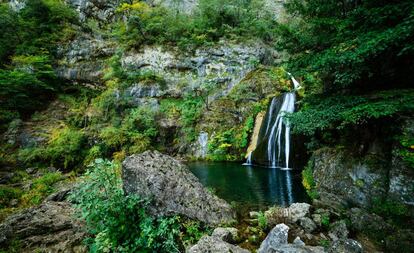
(378, 173)
(50, 227)
(354, 182)
(173, 188)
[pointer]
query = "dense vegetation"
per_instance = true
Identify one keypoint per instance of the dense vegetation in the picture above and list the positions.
(122, 223)
(356, 60)
(28, 44)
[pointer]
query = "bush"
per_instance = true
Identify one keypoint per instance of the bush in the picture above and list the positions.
(120, 223)
(308, 182)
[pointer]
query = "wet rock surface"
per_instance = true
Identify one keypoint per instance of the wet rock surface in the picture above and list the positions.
(173, 188)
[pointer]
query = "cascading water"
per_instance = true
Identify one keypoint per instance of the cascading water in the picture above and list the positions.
(203, 141)
(274, 141)
(281, 127)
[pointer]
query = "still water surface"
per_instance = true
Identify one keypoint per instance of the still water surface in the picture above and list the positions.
(251, 186)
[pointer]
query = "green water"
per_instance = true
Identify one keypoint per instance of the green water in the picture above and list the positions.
(251, 186)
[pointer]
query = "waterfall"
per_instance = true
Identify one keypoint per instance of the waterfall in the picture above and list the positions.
(203, 141)
(249, 159)
(274, 142)
(281, 127)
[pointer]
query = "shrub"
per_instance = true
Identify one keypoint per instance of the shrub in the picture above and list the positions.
(262, 220)
(120, 223)
(308, 181)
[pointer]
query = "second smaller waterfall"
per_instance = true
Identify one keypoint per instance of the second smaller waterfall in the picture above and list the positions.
(203, 141)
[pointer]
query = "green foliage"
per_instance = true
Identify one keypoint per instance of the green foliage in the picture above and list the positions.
(406, 150)
(211, 21)
(309, 182)
(319, 114)
(324, 243)
(65, 148)
(119, 222)
(28, 41)
(230, 144)
(389, 208)
(193, 231)
(134, 134)
(40, 188)
(325, 220)
(262, 220)
(7, 194)
(358, 44)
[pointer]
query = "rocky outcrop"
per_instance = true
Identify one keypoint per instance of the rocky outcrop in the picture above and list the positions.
(102, 10)
(350, 181)
(50, 227)
(172, 188)
(83, 59)
(221, 66)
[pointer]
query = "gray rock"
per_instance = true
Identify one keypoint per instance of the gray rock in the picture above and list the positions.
(297, 211)
(292, 248)
(346, 246)
(173, 188)
(298, 241)
(253, 215)
(229, 235)
(50, 227)
(213, 244)
(277, 237)
(307, 224)
(343, 181)
(338, 231)
(317, 218)
(361, 220)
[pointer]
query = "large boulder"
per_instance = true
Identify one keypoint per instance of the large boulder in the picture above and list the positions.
(277, 241)
(50, 227)
(172, 188)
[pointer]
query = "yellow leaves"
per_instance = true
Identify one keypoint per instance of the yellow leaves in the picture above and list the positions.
(225, 146)
(138, 6)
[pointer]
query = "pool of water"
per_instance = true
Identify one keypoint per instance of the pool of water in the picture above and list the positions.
(255, 187)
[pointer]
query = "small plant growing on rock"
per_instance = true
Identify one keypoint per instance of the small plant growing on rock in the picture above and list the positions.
(262, 220)
(309, 182)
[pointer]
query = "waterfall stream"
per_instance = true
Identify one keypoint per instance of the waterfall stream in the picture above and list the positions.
(203, 141)
(274, 141)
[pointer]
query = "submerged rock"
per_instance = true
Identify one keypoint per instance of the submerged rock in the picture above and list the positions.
(173, 188)
(50, 227)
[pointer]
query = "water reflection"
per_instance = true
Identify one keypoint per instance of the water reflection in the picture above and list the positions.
(253, 186)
